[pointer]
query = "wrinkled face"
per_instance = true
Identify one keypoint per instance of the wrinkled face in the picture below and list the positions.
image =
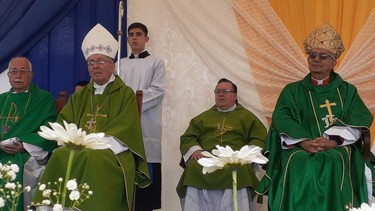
(224, 95)
(320, 62)
(100, 68)
(137, 40)
(20, 75)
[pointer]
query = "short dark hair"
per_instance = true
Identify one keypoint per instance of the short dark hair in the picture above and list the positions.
(138, 25)
(81, 83)
(233, 85)
(228, 81)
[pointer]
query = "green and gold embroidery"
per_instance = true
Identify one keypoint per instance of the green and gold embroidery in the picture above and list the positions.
(329, 119)
(222, 128)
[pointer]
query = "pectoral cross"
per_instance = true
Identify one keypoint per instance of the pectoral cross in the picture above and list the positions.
(11, 115)
(91, 124)
(329, 118)
(222, 128)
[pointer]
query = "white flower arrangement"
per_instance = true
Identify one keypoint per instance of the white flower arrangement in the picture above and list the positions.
(74, 139)
(226, 158)
(52, 193)
(364, 207)
(10, 191)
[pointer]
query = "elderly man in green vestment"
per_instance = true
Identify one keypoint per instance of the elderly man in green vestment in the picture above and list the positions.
(227, 123)
(23, 110)
(105, 105)
(315, 159)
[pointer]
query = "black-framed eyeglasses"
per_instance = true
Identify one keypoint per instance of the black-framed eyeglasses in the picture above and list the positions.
(22, 71)
(322, 56)
(99, 62)
(223, 91)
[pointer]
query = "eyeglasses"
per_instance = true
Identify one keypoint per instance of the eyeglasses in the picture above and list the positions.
(21, 71)
(223, 91)
(99, 62)
(322, 56)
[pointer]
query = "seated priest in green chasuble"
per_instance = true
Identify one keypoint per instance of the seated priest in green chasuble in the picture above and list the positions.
(24, 108)
(105, 105)
(315, 154)
(227, 123)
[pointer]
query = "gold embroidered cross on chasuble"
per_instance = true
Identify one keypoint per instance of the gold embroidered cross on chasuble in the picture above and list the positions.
(222, 128)
(9, 120)
(12, 111)
(329, 119)
(91, 124)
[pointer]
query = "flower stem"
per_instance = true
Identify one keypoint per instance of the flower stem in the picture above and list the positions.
(67, 175)
(234, 177)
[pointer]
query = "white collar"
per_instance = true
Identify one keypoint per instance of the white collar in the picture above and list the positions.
(229, 109)
(99, 89)
(318, 82)
(14, 92)
(136, 56)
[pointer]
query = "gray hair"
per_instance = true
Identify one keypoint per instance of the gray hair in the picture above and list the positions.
(22, 57)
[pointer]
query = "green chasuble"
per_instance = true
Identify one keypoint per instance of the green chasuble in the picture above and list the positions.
(112, 178)
(328, 180)
(21, 116)
(235, 128)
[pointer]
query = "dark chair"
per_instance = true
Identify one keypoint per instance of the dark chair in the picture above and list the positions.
(139, 97)
(61, 100)
(366, 144)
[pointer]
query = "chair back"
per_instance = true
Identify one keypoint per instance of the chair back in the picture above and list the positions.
(139, 96)
(61, 100)
(366, 144)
